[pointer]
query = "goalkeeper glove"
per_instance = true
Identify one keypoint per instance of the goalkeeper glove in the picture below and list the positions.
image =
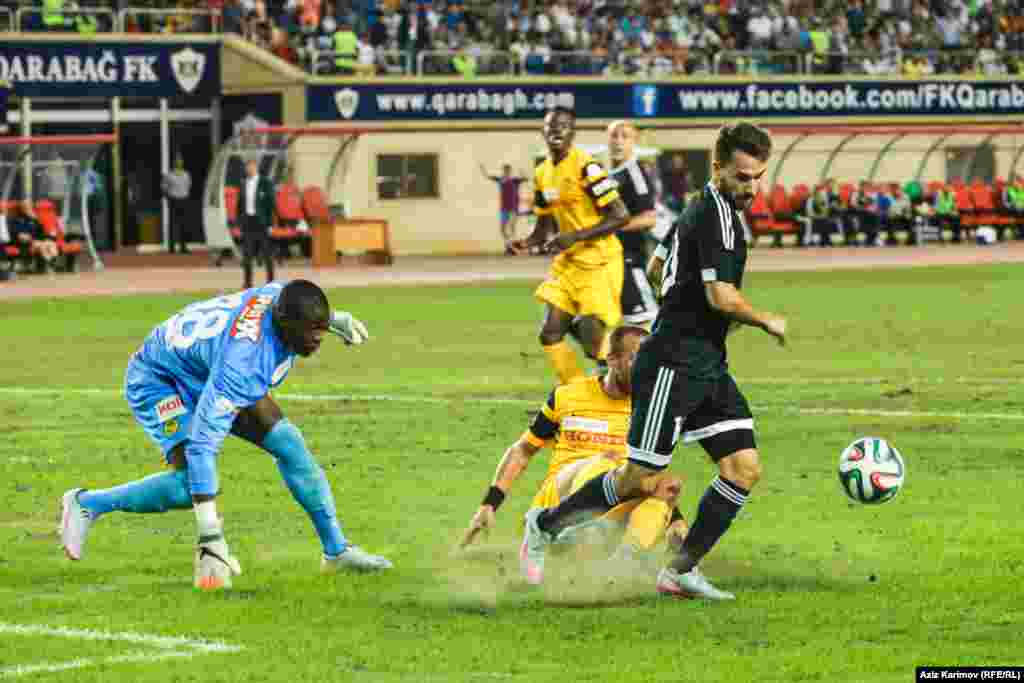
(351, 330)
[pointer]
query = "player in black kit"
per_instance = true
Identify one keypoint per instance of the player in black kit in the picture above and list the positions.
(637, 192)
(682, 388)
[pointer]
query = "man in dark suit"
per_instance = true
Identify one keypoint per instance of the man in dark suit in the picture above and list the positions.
(255, 216)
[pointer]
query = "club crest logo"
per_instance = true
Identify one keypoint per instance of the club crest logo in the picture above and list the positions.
(171, 428)
(347, 101)
(188, 67)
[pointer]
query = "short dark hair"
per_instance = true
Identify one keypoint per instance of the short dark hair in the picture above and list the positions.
(302, 301)
(617, 340)
(745, 137)
(562, 110)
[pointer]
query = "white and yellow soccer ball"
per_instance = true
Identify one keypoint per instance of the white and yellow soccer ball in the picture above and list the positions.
(871, 471)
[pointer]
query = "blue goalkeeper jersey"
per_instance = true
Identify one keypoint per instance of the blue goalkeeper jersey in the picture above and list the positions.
(222, 355)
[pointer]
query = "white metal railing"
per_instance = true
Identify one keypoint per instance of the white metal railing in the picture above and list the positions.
(198, 20)
(654, 65)
(105, 18)
(761, 62)
(852, 61)
(488, 62)
(565, 62)
(386, 62)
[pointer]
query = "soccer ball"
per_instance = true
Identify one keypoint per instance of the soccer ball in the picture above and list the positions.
(871, 471)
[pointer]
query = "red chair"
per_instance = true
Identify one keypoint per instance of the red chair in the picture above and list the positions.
(762, 222)
(965, 205)
(846, 190)
(231, 193)
(986, 209)
(46, 212)
(782, 210)
(999, 186)
(53, 226)
(314, 205)
(288, 206)
(798, 196)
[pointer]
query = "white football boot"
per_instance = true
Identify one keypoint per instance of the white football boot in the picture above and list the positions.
(75, 521)
(532, 551)
(214, 565)
(356, 558)
(692, 584)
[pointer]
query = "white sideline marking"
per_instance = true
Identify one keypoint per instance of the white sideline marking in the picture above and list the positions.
(168, 647)
(313, 398)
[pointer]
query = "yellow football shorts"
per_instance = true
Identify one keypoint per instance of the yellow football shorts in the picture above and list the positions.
(547, 496)
(593, 291)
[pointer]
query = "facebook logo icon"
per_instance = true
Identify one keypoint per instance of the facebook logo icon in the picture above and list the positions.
(645, 100)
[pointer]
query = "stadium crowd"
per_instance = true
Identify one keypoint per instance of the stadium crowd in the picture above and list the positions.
(577, 37)
(648, 37)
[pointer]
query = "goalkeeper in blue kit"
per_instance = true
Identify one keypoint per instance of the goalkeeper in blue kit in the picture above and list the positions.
(202, 374)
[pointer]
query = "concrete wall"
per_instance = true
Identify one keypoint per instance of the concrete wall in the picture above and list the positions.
(464, 219)
(247, 69)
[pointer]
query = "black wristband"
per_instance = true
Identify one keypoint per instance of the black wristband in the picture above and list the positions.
(495, 497)
(676, 516)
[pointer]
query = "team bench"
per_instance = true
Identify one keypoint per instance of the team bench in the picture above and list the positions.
(69, 247)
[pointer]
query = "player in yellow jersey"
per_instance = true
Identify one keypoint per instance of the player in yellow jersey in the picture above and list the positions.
(587, 421)
(578, 212)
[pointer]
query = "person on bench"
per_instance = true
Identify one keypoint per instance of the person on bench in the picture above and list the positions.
(31, 239)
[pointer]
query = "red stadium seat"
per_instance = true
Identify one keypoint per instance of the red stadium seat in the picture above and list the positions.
(289, 203)
(846, 191)
(46, 212)
(782, 210)
(986, 210)
(965, 205)
(761, 220)
(999, 186)
(314, 205)
(800, 193)
(231, 203)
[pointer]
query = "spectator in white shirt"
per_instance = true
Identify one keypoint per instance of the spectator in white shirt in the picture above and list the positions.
(706, 38)
(879, 62)
(679, 26)
(562, 18)
(787, 34)
(951, 30)
(759, 28)
(542, 23)
(365, 55)
(432, 16)
(987, 61)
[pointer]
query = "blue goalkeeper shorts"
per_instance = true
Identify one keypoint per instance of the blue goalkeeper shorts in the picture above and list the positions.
(160, 404)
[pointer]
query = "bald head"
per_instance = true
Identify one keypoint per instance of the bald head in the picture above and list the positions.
(622, 135)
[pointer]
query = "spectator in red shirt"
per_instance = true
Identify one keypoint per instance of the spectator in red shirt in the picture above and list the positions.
(508, 186)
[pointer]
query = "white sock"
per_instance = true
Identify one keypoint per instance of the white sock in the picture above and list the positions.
(206, 519)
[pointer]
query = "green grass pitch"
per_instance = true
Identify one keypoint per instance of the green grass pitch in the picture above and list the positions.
(409, 429)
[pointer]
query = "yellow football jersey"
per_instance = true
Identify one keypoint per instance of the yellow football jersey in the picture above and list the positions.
(582, 421)
(574, 191)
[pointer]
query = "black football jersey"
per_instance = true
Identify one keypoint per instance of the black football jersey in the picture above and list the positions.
(707, 244)
(637, 192)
